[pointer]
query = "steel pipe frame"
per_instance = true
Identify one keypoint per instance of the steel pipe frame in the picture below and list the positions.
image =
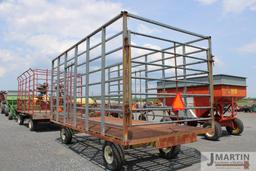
(159, 79)
(127, 64)
(166, 26)
(27, 87)
(170, 122)
(166, 40)
(167, 67)
(170, 53)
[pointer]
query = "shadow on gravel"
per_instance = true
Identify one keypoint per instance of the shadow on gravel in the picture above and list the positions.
(147, 159)
(224, 134)
(45, 127)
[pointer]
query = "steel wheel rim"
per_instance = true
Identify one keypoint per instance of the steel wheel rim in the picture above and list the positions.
(108, 154)
(63, 135)
(236, 130)
(30, 124)
(208, 134)
(167, 150)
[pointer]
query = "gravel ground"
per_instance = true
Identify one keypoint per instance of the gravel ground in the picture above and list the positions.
(23, 150)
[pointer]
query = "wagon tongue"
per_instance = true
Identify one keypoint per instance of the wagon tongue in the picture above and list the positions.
(178, 103)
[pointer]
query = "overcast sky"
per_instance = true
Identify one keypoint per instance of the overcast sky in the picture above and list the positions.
(32, 32)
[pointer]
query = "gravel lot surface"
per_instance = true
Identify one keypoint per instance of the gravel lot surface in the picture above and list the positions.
(21, 149)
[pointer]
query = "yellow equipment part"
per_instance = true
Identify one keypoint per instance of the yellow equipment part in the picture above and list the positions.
(82, 101)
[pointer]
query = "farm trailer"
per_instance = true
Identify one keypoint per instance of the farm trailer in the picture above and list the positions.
(228, 89)
(2, 101)
(106, 61)
(9, 103)
(33, 100)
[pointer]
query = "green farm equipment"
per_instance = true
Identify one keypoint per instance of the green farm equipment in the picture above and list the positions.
(9, 104)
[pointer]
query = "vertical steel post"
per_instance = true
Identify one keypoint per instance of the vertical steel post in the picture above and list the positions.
(185, 78)
(126, 79)
(75, 87)
(176, 73)
(103, 63)
(140, 88)
(175, 63)
(146, 76)
(135, 85)
(58, 88)
(64, 98)
(29, 98)
(210, 78)
(86, 123)
(163, 77)
(51, 93)
(163, 82)
(26, 92)
(109, 89)
(47, 83)
(119, 82)
(65, 89)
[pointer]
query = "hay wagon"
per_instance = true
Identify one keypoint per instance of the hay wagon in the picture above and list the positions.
(33, 102)
(109, 65)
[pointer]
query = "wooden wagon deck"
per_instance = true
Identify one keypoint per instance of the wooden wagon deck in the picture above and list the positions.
(160, 135)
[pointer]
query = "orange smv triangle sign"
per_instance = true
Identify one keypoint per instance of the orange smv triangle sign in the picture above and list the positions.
(178, 103)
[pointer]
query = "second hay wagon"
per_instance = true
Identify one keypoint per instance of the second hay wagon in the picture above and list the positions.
(33, 101)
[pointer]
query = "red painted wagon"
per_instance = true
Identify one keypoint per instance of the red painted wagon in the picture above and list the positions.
(33, 101)
(227, 91)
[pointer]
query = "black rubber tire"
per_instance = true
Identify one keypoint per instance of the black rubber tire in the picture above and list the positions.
(32, 124)
(217, 133)
(239, 127)
(118, 156)
(10, 116)
(121, 152)
(165, 119)
(172, 152)
(65, 135)
(20, 119)
(1, 109)
(142, 117)
(6, 110)
(193, 123)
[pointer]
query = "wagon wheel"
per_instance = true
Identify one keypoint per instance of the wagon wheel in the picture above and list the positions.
(20, 119)
(66, 135)
(10, 116)
(216, 134)
(32, 124)
(113, 156)
(6, 110)
(1, 109)
(170, 152)
(165, 119)
(192, 123)
(239, 127)
(142, 117)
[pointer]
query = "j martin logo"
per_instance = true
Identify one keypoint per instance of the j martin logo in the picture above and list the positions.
(228, 161)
